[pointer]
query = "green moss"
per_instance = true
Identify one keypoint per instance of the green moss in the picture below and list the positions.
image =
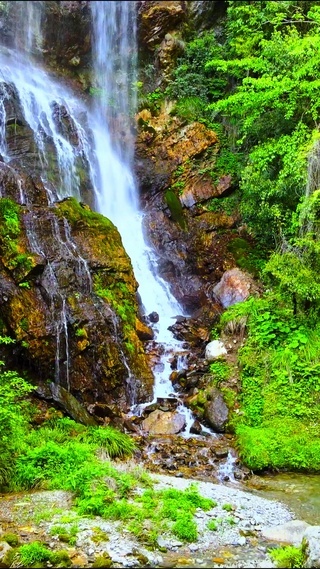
(10, 231)
(24, 324)
(176, 209)
(104, 561)
(76, 212)
(11, 538)
(81, 333)
(99, 535)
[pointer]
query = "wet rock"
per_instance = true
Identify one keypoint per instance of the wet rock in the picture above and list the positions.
(216, 411)
(143, 331)
(70, 404)
(204, 13)
(235, 286)
(166, 423)
(214, 350)
(53, 303)
(221, 452)
(195, 428)
(153, 317)
(190, 330)
(197, 193)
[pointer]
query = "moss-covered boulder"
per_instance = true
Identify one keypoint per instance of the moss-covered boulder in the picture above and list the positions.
(68, 297)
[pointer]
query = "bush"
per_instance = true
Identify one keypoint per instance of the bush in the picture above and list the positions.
(33, 553)
(288, 557)
(185, 528)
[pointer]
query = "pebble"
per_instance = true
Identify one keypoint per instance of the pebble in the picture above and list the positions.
(252, 513)
(193, 547)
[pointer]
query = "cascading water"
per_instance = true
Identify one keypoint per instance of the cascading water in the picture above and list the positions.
(114, 55)
(105, 151)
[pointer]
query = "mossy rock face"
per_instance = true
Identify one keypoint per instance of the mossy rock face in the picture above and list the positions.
(73, 308)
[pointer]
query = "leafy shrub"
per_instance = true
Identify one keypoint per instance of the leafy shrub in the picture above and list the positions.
(33, 553)
(185, 528)
(288, 557)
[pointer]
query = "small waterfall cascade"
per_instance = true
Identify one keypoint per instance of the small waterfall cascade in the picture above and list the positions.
(226, 470)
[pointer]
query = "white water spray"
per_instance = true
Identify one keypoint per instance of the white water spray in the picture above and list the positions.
(117, 195)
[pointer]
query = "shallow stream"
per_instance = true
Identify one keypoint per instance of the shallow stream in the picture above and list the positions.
(301, 492)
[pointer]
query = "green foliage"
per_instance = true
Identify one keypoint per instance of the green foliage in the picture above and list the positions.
(175, 207)
(33, 553)
(227, 507)
(151, 101)
(280, 443)
(288, 557)
(227, 205)
(212, 525)
(280, 377)
(11, 538)
(116, 444)
(272, 62)
(220, 371)
(190, 80)
(13, 408)
(9, 234)
(9, 214)
(185, 528)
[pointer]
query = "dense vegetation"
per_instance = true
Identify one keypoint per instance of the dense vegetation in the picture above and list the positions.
(256, 83)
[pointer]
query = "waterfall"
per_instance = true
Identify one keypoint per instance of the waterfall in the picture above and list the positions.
(114, 54)
(70, 135)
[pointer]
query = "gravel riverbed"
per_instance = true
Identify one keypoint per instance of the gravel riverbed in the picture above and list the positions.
(236, 542)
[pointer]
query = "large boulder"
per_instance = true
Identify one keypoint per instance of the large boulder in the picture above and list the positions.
(235, 286)
(68, 297)
(290, 532)
(164, 423)
(216, 410)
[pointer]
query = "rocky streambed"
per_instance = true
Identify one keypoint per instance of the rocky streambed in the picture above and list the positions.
(246, 529)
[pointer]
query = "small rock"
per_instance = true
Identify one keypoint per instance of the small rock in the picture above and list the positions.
(193, 547)
(4, 548)
(153, 317)
(214, 350)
